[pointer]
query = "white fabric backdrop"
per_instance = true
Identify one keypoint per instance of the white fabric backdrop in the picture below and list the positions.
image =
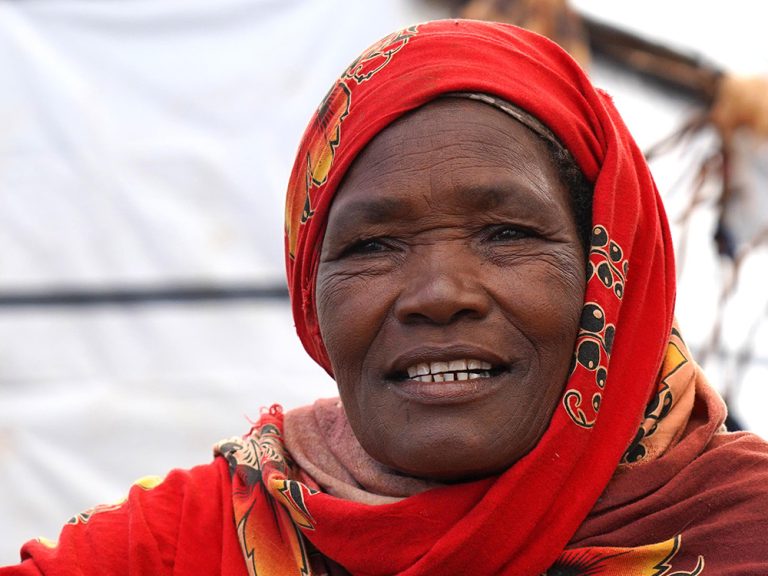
(148, 143)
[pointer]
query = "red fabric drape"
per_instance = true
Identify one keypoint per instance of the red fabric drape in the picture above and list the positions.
(520, 521)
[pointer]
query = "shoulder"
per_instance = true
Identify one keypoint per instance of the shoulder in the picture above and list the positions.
(727, 517)
(734, 472)
(143, 533)
(744, 442)
(736, 457)
(713, 503)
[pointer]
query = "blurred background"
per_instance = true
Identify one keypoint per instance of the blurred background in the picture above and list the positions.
(145, 147)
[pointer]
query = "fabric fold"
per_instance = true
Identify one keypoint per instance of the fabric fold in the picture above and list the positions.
(322, 444)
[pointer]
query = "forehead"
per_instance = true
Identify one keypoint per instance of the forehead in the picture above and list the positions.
(459, 148)
(479, 130)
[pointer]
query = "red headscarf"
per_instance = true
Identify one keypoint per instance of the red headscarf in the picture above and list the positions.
(519, 522)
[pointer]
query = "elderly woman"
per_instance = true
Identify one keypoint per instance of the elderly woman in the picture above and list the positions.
(478, 255)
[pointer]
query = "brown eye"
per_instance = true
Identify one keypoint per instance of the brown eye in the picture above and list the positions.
(509, 233)
(366, 246)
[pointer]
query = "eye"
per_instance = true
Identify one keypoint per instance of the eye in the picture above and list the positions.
(366, 246)
(509, 233)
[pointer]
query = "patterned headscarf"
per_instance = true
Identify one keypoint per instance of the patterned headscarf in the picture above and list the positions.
(628, 308)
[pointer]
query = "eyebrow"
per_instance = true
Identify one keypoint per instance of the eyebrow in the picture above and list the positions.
(371, 211)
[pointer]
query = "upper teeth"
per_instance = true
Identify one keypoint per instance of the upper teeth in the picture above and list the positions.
(464, 369)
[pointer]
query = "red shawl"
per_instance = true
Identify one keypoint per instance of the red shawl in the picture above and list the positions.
(546, 495)
(700, 507)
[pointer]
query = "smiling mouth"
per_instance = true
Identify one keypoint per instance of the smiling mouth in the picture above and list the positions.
(450, 371)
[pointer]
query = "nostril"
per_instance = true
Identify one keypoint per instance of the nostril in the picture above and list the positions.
(467, 313)
(442, 297)
(416, 318)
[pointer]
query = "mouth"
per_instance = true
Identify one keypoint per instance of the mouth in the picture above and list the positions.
(448, 375)
(453, 370)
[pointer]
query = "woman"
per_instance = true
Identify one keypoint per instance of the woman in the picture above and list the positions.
(515, 398)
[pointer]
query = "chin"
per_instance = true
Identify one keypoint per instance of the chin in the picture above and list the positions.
(451, 464)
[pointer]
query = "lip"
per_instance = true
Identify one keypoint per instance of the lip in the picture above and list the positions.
(450, 392)
(456, 392)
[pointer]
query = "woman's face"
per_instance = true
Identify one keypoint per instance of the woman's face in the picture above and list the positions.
(449, 291)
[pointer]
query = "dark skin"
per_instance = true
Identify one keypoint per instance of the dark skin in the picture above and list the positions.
(451, 247)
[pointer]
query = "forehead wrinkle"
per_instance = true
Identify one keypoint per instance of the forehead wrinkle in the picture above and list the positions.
(513, 160)
(425, 130)
(430, 127)
(515, 152)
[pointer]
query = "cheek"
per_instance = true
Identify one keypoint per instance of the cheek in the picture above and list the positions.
(545, 300)
(563, 299)
(566, 307)
(351, 308)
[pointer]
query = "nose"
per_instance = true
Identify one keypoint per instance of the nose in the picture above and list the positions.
(442, 288)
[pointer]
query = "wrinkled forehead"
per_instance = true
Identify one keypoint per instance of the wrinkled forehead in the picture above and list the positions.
(458, 152)
(469, 129)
